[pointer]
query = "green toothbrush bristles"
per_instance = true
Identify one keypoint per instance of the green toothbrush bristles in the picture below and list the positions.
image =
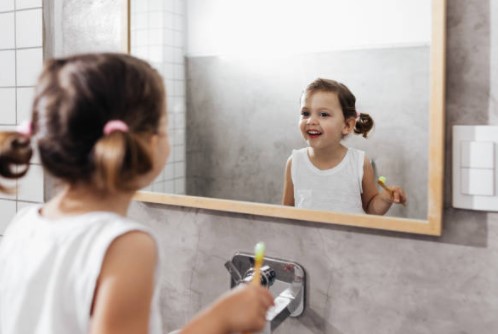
(259, 251)
(382, 179)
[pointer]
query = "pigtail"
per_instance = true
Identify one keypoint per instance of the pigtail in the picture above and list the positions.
(119, 158)
(364, 123)
(15, 154)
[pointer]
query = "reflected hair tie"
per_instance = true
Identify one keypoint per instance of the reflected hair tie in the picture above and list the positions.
(25, 128)
(358, 114)
(115, 125)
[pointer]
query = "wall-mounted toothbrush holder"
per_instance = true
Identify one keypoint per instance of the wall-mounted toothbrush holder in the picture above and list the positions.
(285, 279)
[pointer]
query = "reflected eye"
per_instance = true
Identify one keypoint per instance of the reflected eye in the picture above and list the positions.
(324, 114)
(305, 114)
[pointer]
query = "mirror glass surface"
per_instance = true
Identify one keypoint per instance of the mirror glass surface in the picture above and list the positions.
(235, 71)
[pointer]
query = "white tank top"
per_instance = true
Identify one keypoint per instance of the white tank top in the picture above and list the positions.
(336, 189)
(49, 269)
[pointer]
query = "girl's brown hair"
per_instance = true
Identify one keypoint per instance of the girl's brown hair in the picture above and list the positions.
(364, 123)
(75, 97)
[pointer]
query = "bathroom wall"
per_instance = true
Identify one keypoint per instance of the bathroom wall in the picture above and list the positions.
(21, 57)
(360, 281)
(157, 35)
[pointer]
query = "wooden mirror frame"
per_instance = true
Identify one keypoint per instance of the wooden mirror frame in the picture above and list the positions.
(430, 226)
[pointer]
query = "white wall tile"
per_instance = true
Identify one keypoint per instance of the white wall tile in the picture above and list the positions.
(8, 210)
(178, 6)
(180, 169)
(156, 38)
(140, 6)
(157, 187)
(8, 103)
(180, 153)
(7, 68)
(30, 187)
(156, 5)
(180, 186)
(169, 169)
(29, 28)
(139, 21)
(7, 31)
(24, 103)
(156, 20)
(6, 5)
(169, 187)
(10, 184)
(29, 66)
(169, 20)
(23, 4)
(7, 128)
(179, 137)
(23, 205)
(178, 22)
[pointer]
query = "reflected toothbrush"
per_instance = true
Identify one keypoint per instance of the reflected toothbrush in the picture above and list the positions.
(382, 182)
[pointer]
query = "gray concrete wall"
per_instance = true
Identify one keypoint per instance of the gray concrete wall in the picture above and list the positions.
(360, 281)
(242, 119)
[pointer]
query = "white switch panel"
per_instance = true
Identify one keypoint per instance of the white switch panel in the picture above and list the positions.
(478, 154)
(475, 163)
(477, 181)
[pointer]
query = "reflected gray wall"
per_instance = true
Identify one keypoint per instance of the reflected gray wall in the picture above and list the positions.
(243, 113)
(360, 281)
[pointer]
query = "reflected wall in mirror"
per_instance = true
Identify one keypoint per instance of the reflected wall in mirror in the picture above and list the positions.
(235, 71)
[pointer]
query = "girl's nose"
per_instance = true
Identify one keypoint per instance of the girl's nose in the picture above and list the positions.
(312, 119)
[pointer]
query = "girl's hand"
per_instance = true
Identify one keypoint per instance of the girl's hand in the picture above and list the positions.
(244, 308)
(394, 195)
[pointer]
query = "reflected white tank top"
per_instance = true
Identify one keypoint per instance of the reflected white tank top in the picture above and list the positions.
(49, 269)
(336, 189)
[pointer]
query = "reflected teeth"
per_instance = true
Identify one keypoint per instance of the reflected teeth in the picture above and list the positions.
(314, 132)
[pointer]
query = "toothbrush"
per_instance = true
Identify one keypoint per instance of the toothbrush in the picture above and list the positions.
(259, 253)
(382, 182)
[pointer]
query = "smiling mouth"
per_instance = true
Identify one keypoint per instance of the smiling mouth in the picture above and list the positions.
(313, 133)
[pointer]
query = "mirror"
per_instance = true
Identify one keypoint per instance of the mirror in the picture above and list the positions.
(235, 73)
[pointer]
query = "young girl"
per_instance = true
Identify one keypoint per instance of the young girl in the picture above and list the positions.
(76, 264)
(327, 175)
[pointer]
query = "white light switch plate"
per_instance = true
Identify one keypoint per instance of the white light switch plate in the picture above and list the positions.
(474, 167)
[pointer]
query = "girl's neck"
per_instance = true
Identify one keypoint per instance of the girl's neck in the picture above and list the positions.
(80, 199)
(326, 158)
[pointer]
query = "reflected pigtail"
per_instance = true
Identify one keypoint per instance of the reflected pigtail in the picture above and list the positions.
(364, 123)
(15, 154)
(119, 158)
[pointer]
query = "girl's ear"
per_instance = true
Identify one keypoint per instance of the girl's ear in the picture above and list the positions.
(349, 125)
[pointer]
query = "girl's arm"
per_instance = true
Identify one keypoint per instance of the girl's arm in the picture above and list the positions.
(122, 298)
(288, 196)
(125, 287)
(242, 309)
(374, 202)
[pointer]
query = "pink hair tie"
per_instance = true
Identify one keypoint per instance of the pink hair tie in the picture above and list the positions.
(358, 114)
(115, 125)
(25, 128)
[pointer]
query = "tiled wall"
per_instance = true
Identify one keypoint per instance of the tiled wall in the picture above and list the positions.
(157, 35)
(21, 58)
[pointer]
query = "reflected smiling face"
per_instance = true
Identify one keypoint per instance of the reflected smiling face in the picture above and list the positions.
(322, 122)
